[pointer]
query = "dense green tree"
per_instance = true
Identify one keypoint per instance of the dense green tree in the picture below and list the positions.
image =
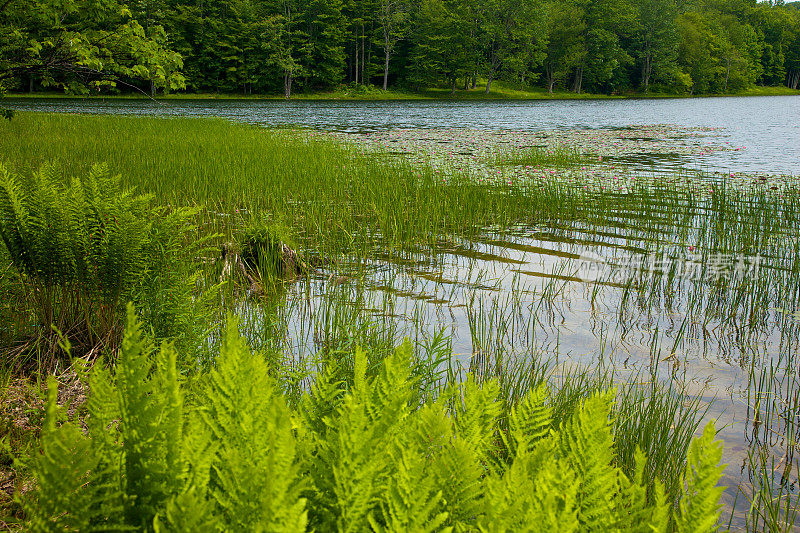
(609, 23)
(323, 24)
(393, 17)
(566, 49)
(444, 43)
(513, 37)
(80, 45)
(270, 46)
(656, 39)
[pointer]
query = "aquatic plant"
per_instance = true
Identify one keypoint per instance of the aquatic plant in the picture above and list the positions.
(549, 157)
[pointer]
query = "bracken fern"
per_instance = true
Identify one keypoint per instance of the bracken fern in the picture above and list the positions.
(370, 456)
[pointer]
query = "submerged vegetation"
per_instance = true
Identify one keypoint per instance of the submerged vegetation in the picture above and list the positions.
(392, 253)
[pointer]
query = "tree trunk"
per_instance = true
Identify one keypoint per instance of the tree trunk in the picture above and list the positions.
(727, 74)
(474, 79)
(489, 82)
(356, 72)
(287, 84)
(386, 71)
(453, 86)
(466, 82)
(577, 86)
(363, 54)
(647, 69)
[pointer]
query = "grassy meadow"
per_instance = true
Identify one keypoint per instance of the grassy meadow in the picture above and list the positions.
(379, 251)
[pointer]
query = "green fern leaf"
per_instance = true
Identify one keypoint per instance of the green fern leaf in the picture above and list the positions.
(254, 477)
(700, 506)
(530, 420)
(77, 489)
(586, 443)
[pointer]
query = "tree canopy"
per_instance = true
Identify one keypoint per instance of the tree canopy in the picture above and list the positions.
(280, 46)
(82, 45)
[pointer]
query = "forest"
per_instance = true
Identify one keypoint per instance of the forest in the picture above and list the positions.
(681, 47)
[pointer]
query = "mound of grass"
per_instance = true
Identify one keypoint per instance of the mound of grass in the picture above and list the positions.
(556, 157)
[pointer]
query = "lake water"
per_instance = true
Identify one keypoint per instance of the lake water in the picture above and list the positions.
(767, 127)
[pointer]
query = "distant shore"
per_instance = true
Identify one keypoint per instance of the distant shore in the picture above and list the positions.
(364, 93)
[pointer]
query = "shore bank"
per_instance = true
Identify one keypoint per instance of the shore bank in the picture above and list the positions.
(364, 93)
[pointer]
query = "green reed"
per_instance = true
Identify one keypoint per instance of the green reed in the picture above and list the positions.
(542, 156)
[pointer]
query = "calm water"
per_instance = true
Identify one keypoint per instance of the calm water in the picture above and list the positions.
(767, 126)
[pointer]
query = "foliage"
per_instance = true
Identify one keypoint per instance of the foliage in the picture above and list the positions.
(375, 455)
(262, 242)
(280, 46)
(85, 247)
(80, 45)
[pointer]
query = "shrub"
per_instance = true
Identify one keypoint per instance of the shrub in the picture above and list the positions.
(372, 456)
(85, 247)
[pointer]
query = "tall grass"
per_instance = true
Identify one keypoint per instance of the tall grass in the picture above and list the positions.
(330, 193)
(546, 157)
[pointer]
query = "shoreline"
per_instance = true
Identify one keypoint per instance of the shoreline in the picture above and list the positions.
(426, 95)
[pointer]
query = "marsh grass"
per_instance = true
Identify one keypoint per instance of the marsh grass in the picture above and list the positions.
(544, 157)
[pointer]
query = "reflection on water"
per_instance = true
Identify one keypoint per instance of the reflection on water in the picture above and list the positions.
(670, 295)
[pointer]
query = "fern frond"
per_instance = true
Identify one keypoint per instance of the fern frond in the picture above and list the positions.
(188, 511)
(412, 500)
(586, 443)
(476, 413)
(254, 477)
(458, 473)
(634, 513)
(325, 397)
(391, 392)
(530, 420)
(151, 410)
(700, 506)
(77, 489)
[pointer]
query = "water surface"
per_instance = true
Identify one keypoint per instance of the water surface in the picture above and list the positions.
(767, 127)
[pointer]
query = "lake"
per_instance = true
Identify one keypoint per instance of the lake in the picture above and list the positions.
(767, 127)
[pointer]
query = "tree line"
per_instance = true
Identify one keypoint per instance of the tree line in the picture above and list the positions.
(282, 46)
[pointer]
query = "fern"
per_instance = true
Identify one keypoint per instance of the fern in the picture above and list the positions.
(236, 457)
(586, 443)
(412, 501)
(700, 507)
(254, 474)
(530, 421)
(86, 246)
(78, 489)
(188, 511)
(151, 423)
